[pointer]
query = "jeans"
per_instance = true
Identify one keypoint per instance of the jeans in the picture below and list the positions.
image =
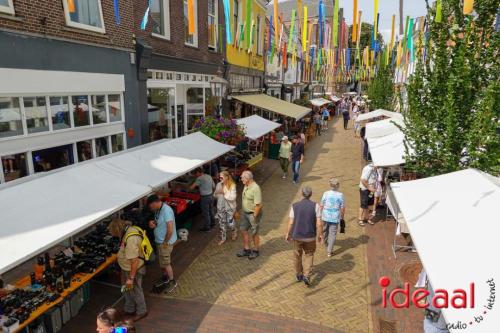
(296, 170)
(284, 163)
(207, 211)
(318, 129)
(330, 234)
(308, 248)
(134, 299)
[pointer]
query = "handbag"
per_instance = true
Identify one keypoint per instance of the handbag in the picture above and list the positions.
(342, 226)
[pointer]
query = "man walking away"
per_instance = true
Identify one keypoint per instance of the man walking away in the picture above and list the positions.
(285, 153)
(251, 217)
(165, 237)
(304, 227)
(297, 158)
(317, 122)
(345, 114)
(132, 268)
(206, 186)
(332, 212)
(326, 115)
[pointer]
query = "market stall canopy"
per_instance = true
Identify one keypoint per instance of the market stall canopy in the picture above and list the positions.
(319, 101)
(256, 126)
(379, 113)
(387, 150)
(383, 127)
(274, 105)
(335, 98)
(452, 223)
(40, 212)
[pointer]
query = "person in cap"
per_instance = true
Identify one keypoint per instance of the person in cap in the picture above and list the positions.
(304, 227)
(332, 212)
(285, 155)
(165, 237)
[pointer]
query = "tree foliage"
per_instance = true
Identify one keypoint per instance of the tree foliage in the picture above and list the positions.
(381, 89)
(453, 105)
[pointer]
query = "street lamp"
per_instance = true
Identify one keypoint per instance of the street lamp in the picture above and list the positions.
(219, 85)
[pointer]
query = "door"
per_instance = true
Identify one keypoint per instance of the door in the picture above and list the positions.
(181, 121)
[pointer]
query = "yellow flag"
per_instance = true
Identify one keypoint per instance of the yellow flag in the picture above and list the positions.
(191, 28)
(375, 12)
(354, 20)
(304, 31)
(468, 6)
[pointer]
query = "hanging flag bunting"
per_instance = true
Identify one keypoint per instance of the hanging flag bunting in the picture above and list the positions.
(116, 6)
(320, 23)
(391, 45)
(304, 30)
(290, 36)
(299, 15)
(355, 21)
(270, 34)
(276, 19)
(348, 59)
(335, 23)
(191, 23)
(375, 19)
(248, 22)
(227, 16)
(410, 39)
(468, 6)
(71, 6)
(252, 32)
(145, 18)
(439, 9)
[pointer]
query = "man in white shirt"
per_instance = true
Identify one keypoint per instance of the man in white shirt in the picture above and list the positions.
(366, 191)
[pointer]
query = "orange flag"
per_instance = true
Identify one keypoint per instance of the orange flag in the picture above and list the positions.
(190, 4)
(354, 20)
(71, 6)
(468, 6)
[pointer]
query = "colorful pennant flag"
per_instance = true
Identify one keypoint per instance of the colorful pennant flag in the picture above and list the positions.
(227, 18)
(276, 19)
(71, 6)
(191, 23)
(304, 30)
(116, 7)
(145, 18)
(354, 21)
(335, 23)
(248, 22)
(468, 7)
(439, 14)
(290, 36)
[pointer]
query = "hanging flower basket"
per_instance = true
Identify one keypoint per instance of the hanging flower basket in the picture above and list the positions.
(220, 129)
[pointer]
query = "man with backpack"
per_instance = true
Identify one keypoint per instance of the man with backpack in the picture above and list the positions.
(131, 261)
(165, 237)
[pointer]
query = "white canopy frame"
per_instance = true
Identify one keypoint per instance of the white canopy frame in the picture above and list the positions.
(256, 126)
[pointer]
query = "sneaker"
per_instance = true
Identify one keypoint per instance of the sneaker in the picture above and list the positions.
(171, 286)
(243, 253)
(254, 254)
(299, 277)
(204, 229)
(283, 177)
(306, 280)
(329, 255)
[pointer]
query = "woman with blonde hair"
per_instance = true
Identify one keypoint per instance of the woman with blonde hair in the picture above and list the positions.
(225, 192)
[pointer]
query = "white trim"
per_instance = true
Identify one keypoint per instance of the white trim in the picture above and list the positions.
(41, 82)
(82, 26)
(2, 176)
(195, 35)
(166, 20)
(9, 9)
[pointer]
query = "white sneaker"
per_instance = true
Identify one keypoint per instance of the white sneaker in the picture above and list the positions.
(284, 177)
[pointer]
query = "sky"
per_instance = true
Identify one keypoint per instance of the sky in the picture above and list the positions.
(386, 8)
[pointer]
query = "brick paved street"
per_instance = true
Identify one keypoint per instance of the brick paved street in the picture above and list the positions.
(339, 295)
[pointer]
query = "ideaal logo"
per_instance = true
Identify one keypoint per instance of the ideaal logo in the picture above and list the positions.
(458, 299)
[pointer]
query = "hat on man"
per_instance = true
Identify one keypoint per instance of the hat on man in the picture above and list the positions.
(284, 138)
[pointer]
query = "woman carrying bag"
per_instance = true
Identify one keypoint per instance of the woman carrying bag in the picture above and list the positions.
(225, 192)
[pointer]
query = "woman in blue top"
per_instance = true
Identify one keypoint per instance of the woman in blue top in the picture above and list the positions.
(332, 211)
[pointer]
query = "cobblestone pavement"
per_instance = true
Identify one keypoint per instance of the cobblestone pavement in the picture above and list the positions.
(339, 297)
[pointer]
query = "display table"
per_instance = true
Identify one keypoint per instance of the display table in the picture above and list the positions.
(77, 281)
(255, 160)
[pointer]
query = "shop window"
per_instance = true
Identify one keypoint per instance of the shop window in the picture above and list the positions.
(117, 143)
(84, 14)
(36, 114)
(52, 158)
(160, 15)
(6, 6)
(101, 146)
(161, 116)
(84, 150)
(115, 108)
(59, 111)
(99, 109)
(191, 39)
(10, 117)
(212, 24)
(81, 110)
(14, 166)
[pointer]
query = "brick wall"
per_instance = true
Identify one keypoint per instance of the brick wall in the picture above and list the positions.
(175, 47)
(46, 17)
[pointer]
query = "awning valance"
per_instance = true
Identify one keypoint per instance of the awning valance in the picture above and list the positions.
(383, 127)
(274, 105)
(387, 150)
(256, 126)
(319, 101)
(379, 113)
(41, 211)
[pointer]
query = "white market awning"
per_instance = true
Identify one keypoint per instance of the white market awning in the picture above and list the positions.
(256, 126)
(379, 113)
(387, 150)
(383, 127)
(335, 98)
(319, 101)
(43, 210)
(453, 223)
(273, 104)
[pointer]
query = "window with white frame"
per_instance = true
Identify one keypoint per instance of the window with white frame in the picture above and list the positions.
(212, 24)
(35, 111)
(6, 6)
(260, 35)
(10, 117)
(84, 14)
(99, 113)
(115, 108)
(160, 15)
(191, 39)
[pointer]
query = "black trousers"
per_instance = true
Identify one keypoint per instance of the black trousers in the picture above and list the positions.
(346, 121)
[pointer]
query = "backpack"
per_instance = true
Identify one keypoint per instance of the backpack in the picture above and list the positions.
(146, 248)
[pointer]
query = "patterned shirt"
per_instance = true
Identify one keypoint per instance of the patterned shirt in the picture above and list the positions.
(332, 202)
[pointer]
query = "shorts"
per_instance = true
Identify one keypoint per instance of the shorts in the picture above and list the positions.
(364, 198)
(164, 252)
(250, 223)
(325, 118)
